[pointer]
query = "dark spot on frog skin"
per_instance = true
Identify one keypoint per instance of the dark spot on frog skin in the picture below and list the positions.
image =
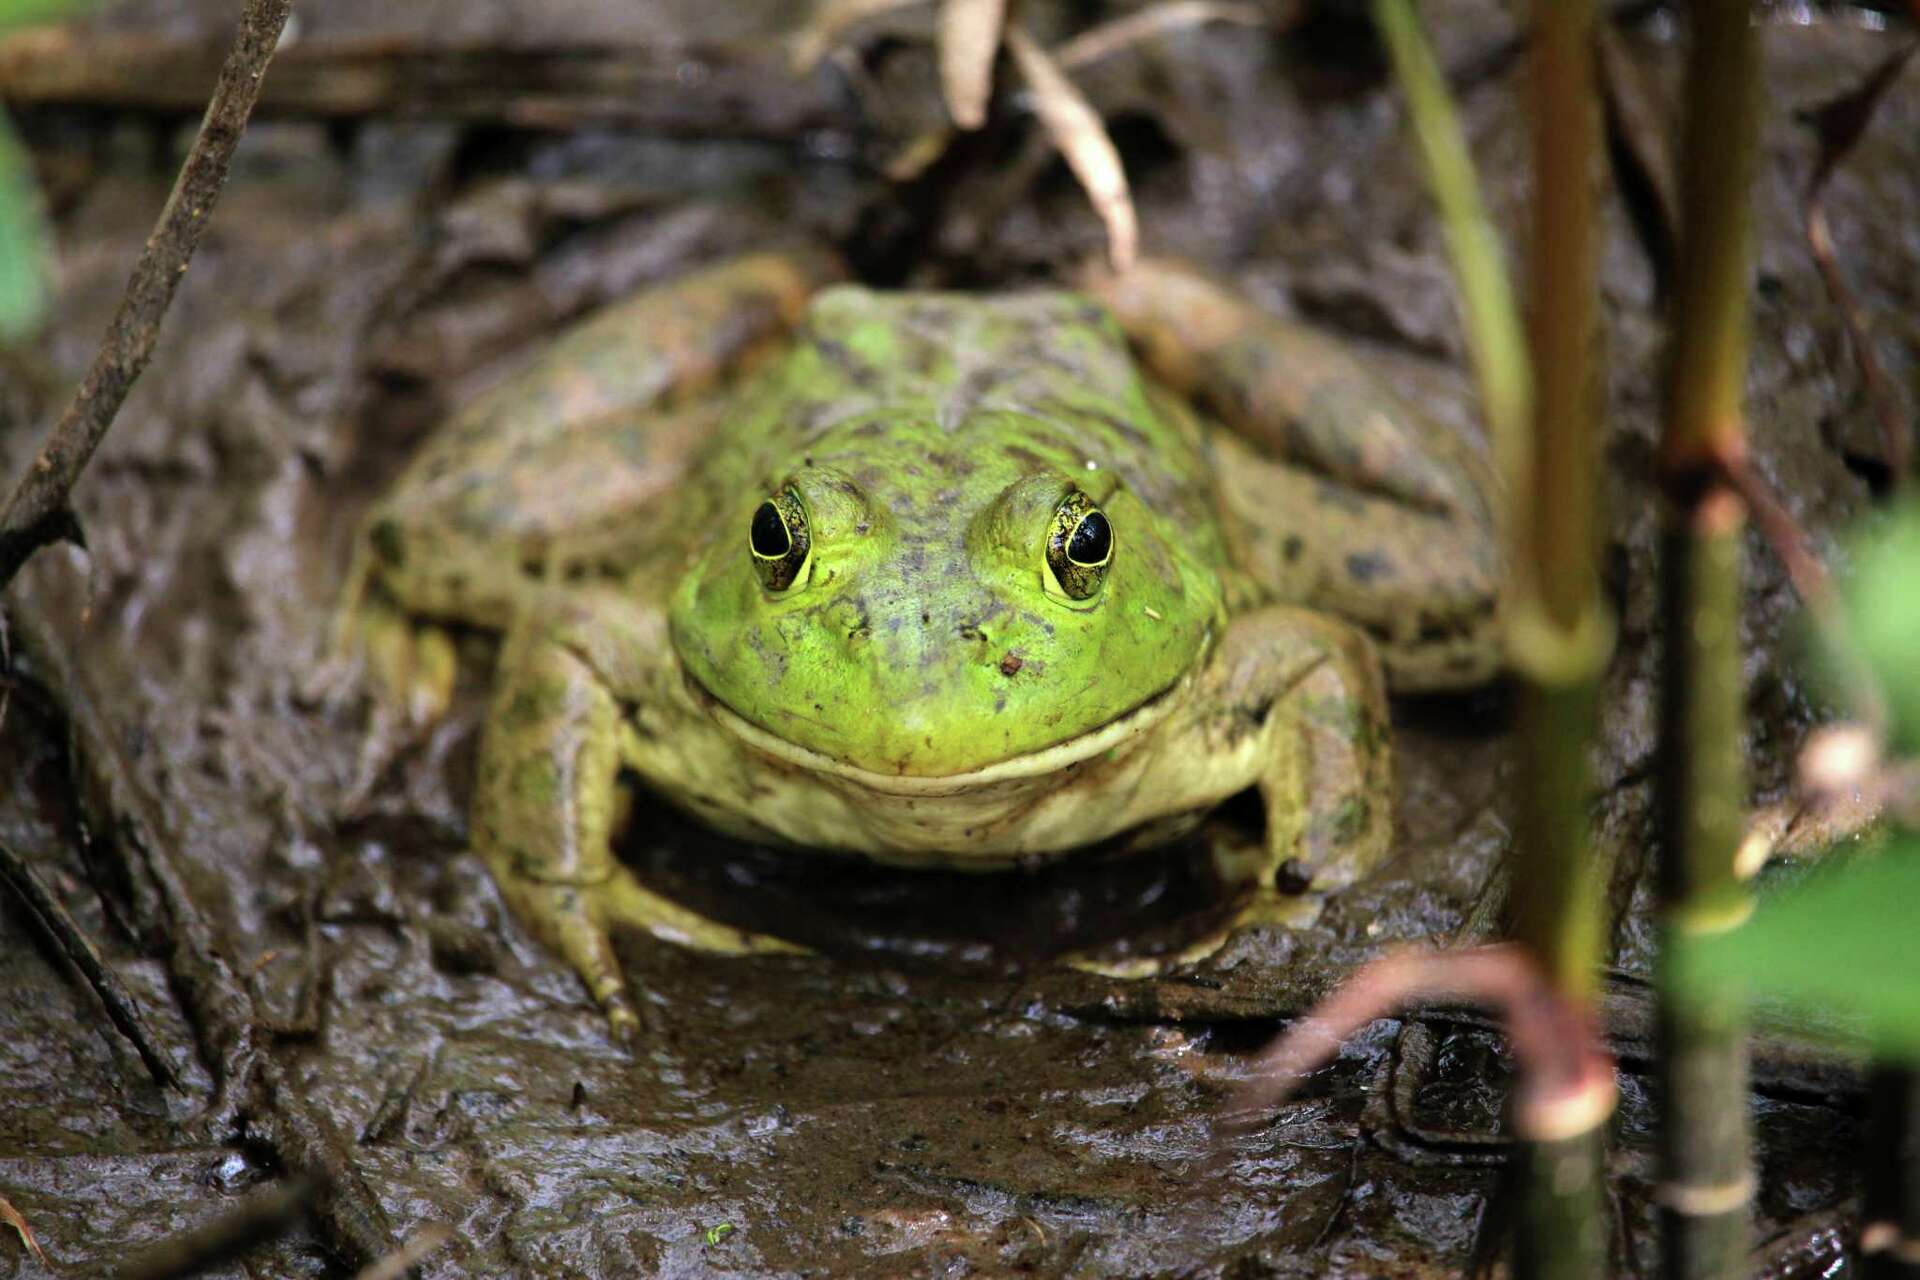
(1027, 458)
(1366, 566)
(1248, 718)
(1292, 878)
(387, 542)
(1339, 497)
(856, 371)
(1011, 663)
(1290, 549)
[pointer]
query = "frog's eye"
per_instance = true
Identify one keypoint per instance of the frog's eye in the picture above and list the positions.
(1079, 547)
(779, 540)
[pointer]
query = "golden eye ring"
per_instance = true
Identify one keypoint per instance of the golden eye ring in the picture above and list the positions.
(1079, 546)
(779, 541)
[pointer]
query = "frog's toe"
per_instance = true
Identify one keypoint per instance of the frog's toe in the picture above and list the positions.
(564, 917)
(623, 900)
(408, 673)
(410, 667)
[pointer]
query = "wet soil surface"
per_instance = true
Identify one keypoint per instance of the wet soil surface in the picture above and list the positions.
(922, 1099)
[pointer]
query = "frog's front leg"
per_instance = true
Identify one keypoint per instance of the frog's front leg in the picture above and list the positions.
(1334, 491)
(565, 455)
(1300, 696)
(546, 800)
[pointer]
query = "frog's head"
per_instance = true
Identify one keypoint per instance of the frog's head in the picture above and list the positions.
(907, 611)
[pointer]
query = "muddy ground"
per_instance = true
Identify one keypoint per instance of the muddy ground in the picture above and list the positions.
(917, 1101)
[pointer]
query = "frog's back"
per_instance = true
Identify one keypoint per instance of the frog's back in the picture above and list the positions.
(933, 396)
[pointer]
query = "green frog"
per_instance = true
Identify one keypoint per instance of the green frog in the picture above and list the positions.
(937, 579)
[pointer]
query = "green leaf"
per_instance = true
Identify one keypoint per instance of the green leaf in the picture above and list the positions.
(24, 13)
(1836, 956)
(1883, 616)
(23, 241)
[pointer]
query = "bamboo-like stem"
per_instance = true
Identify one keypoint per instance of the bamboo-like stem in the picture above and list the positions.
(1707, 1180)
(1557, 628)
(1706, 1175)
(1711, 302)
(1557, 631)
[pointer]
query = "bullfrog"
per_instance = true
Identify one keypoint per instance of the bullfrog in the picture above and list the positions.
(938, 579)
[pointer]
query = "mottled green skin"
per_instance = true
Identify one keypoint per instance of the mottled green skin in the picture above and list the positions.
(925, 693)
(932, 438)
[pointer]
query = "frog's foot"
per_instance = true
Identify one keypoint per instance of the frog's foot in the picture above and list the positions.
(1237, 861)
(406, 668)
(575, 922)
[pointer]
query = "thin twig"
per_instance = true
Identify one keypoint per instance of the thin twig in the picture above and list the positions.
(401, 1260)
(1811, 582)
(1639, 121)
(1788, 540)
(1840, 124)
(263, 1216)
(1109, 38)
(122, 1009)
(38, 512)
(281, 1112)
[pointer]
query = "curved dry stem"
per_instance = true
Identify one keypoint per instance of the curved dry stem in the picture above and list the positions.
(1566, 1084)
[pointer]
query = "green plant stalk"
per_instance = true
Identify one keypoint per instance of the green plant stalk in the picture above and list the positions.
(1561, 1232)
(1557, 631)
(1706, 1160)
(1487, 297)
(1717, 156)
(1707, 1179)
(1556, 627)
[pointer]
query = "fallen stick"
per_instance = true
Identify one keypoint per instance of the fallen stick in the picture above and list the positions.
(37, 513)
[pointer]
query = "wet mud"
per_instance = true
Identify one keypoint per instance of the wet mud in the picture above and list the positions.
(926, 1097)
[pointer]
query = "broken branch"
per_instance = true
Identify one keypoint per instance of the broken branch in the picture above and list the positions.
(122, 1009)
(38, 512)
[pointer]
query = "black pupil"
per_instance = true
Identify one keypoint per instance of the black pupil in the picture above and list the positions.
(1091, 540)
(769, 534)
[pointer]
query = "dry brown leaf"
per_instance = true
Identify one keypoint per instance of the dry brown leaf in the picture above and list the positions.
(969, 40)
(1110, 38)
(11, 1216)
(1077, 130)
(829, 23)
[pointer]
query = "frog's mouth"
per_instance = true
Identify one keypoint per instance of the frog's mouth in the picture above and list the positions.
(1062, 755)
